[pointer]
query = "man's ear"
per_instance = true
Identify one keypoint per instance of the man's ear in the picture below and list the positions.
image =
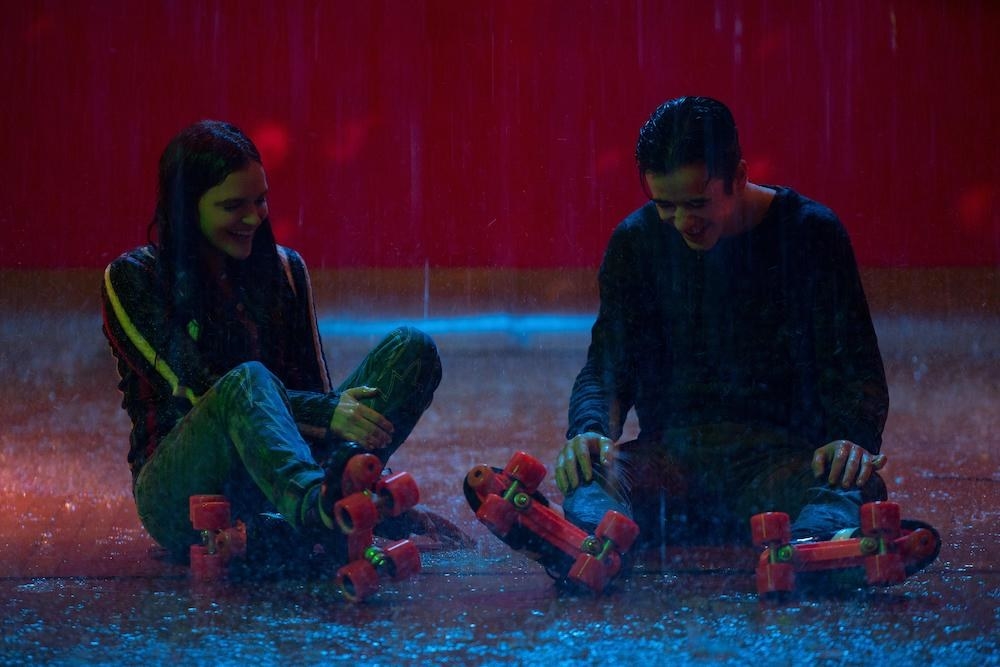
(740, 176)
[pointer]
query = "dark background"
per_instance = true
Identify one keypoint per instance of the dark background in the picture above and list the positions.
(447, 133)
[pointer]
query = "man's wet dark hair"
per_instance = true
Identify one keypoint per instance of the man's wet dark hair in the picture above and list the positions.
(690, 130)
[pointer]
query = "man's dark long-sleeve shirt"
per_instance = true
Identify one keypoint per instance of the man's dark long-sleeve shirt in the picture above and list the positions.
(769, 328)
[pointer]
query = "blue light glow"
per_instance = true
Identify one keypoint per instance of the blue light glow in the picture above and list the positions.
(492, 323)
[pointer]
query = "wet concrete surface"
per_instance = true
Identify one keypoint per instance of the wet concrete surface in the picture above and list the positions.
(80, 583)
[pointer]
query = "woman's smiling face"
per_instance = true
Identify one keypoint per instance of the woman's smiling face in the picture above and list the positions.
(231, 212)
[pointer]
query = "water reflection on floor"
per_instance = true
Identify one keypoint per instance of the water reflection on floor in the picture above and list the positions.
(80, 584)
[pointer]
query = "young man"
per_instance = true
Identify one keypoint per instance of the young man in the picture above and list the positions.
(733, 320)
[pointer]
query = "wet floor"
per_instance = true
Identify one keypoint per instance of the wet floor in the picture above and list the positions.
(80, 583)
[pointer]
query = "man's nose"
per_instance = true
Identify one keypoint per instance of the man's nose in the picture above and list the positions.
(680, 216)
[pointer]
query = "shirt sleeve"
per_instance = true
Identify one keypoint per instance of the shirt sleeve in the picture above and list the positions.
(144, 334)
(852, 386)
(313, 401)
(603, 391)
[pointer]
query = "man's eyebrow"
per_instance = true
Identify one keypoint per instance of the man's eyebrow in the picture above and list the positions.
(668, 202)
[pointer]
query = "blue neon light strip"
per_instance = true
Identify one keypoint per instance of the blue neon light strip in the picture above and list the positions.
(493, 323)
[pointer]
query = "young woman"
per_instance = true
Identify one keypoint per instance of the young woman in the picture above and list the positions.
(221, 365)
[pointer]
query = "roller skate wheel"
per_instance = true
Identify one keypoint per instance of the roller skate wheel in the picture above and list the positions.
(770, 528)
(355, 512)
(773, 578)
(884, 569)
(209, 512)
(618, 528)
(880, 519)
(361, 472)
(527, 470)
(404, 558)
(206, 566)
(590, 572)
(397, 493)
(357, 580)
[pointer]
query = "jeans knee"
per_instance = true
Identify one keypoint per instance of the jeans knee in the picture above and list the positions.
(416, 344)
(415, 341)
(247, 374)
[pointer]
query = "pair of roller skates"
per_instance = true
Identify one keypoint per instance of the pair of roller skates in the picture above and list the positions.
(366, 499)
(887, 551)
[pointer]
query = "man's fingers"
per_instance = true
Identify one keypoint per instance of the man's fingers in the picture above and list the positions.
(850, 464)
(868, 466)
(581, 452)
(851, 467)
(819, 461)
(569, 466)
(607, 452)
(839, 461)
(574, 465)
(561, 479)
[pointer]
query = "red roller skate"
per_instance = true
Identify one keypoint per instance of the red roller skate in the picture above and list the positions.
(221, 539)
(886, 552)
(366, 499)
(508, 503)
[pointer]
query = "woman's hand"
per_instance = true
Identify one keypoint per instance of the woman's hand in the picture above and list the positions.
(355, 422)
(848, 464)
(573, 463)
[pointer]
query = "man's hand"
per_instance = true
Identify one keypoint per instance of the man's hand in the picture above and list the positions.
(356, 422)
(848, 464)
(573, 463)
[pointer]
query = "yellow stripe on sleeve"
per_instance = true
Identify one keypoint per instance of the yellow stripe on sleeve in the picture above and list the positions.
(142, 345)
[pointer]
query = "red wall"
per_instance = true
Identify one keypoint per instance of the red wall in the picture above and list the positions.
(493, 133)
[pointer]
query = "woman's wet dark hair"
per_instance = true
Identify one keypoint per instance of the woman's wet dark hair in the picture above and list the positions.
(197, 159)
